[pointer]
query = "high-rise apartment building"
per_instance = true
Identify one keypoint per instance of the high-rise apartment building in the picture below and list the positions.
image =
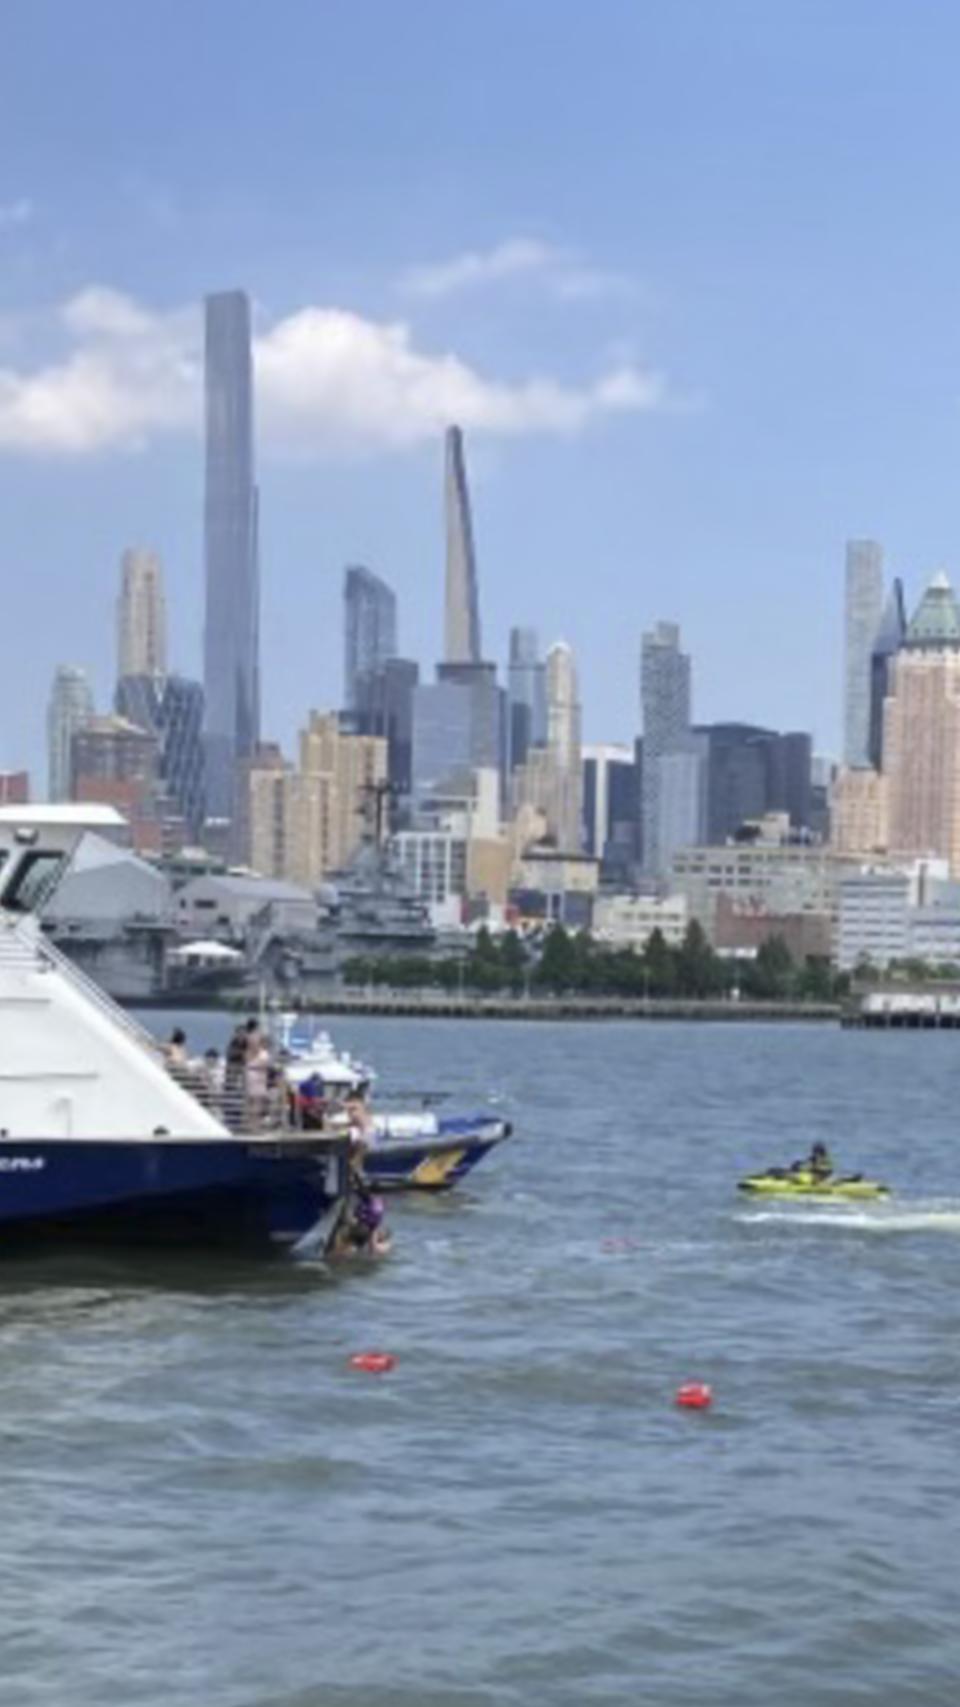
(921, 732)
(859, 812)
(314, 817)
(526, 696)
(232, 623)
(863, 610)
(141, 616)
(462, 613)
(369, 629)
(564, 743)
(665, 705)
(271, 811)
(69, 707)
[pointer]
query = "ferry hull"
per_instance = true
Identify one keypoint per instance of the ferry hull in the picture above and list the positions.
(249, 1194)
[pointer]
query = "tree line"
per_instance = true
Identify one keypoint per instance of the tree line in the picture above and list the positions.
(573, 963)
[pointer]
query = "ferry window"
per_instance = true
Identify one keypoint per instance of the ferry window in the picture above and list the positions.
(33, 882)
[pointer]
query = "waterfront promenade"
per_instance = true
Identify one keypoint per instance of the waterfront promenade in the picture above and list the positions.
(433, 1004)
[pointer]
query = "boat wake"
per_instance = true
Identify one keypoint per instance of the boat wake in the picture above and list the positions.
(920, 1215)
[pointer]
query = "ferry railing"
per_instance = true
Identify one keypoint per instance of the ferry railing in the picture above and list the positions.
(245, 1110)
(17, 950)
(47, 954)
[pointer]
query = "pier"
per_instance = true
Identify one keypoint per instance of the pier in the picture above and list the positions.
(904, 1010)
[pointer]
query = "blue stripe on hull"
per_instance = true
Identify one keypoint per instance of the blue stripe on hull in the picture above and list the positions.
(189, 1192)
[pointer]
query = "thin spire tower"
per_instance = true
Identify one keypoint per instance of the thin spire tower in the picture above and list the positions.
(462, 616)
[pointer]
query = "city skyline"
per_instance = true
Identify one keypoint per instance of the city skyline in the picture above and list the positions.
(638, 425)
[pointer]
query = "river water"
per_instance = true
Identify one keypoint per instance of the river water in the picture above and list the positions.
(205, 1506)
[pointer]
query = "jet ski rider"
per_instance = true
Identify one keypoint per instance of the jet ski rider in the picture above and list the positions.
(819, 1164)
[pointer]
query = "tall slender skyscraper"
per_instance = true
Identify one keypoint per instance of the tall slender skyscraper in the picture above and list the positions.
(69, 708)
(864, 606)
(369, 630)
(232, 627)
(141, 616)
(462, 616)
(665, 703)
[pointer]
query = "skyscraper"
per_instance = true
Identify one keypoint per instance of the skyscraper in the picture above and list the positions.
(551, 778)
(526, 696)
(889, 639)
(384, 707)
(70, 706)
(141, 616)
(681, 799)
(864, 605)
(462, 616)
(665, 705)
(609, 800)
(231, 632)
(921, 732)
(369, 629)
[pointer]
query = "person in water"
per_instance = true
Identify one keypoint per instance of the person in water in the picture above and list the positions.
(361, 1231)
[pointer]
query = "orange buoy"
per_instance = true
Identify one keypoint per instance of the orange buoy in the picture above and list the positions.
(694, 1396)
(373, 1362)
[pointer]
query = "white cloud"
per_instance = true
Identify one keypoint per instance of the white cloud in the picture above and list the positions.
(561, 271)
(128, 375)
(328, 381)
(477, 267)
(15, 213)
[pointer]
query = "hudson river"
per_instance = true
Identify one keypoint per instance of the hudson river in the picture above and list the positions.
(203, 1505)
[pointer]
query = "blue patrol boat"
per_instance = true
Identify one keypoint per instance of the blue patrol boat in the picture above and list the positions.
(405, 1150)
(99, 1142)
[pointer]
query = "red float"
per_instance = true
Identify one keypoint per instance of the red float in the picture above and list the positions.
(373, 1362)
(695, 1396)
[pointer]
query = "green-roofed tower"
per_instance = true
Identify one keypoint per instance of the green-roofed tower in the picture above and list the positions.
(936, 620)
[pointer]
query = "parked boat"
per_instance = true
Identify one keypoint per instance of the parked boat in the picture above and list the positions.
(430, 1164)
(408, 1149)
(98, 1141)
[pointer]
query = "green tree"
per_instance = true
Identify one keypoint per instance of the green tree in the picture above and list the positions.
(771, 977)
(815, 980)
(483, 970)
(558, 962)
(513, 961)
(697, 967)
(659, 971)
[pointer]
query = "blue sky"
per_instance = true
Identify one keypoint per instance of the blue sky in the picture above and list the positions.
(690, 274)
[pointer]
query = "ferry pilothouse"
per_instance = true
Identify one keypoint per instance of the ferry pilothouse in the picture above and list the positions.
(98, 1141)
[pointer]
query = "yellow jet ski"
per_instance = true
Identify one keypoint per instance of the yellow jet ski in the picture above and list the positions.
(803, 1182)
